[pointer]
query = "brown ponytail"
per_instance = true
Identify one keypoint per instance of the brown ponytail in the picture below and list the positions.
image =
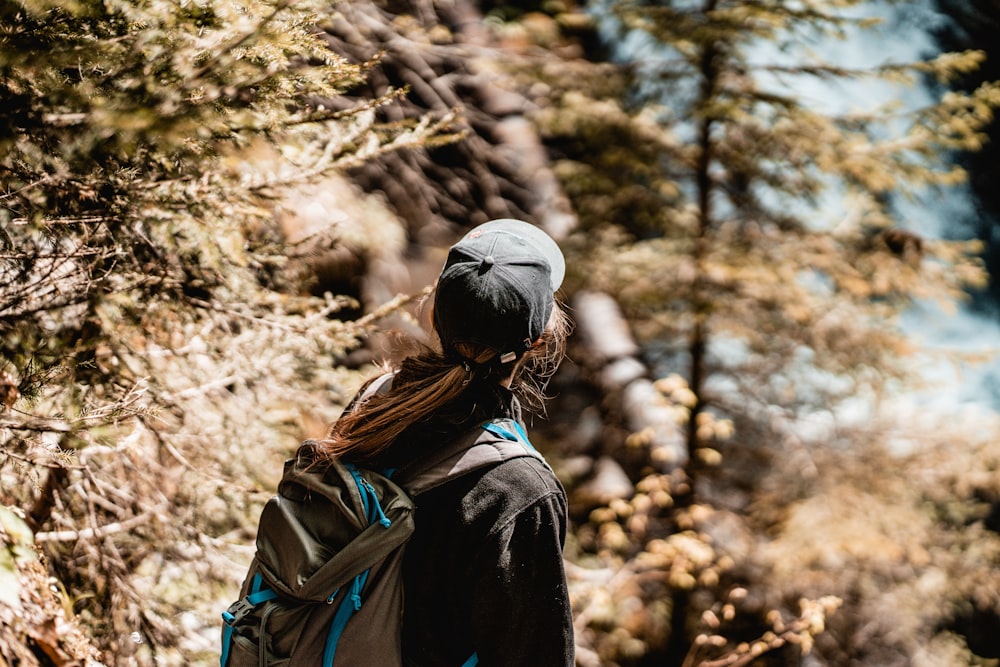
(431, 381)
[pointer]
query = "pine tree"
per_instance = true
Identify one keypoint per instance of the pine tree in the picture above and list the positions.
(756, 242)
(788, 234)
(145, 150)
(972, 25)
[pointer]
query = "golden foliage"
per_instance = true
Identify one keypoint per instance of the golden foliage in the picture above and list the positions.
(35, 628)
(160, 346)
(754, 240)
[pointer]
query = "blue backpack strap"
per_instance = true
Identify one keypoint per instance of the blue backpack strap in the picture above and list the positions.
(344, 613)
(497, 427)
(227, 641)
(374, 514)
(472, 661)
(369, 498)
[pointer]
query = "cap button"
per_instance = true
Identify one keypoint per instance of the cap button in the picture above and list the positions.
(488, 261)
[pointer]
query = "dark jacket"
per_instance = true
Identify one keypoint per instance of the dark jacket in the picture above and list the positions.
(484, 570)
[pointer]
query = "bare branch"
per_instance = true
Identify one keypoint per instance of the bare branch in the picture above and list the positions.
(94, 532)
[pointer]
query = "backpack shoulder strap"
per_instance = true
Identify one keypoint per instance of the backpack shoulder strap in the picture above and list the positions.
(489, 444)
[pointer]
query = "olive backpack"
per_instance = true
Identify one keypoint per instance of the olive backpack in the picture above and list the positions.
(325, 585)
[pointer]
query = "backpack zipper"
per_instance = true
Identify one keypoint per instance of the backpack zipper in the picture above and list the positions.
(368, 493)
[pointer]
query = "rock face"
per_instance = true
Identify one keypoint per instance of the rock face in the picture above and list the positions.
(499, 168)
(446, 58)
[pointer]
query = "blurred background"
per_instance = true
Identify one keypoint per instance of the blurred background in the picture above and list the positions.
(777, 422)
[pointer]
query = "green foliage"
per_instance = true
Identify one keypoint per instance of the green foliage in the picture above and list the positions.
(17, 541)
(160, 349)
(757, 242)
(160, 346)
(120, 148)
(762, 219)
(34, 628)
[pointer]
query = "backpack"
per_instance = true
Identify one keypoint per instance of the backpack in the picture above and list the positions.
(325, 586)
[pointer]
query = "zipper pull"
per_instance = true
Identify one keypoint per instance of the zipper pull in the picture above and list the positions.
(356, 593)
(382, 518)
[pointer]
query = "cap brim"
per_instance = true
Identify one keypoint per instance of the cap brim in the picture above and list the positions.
(537, 238)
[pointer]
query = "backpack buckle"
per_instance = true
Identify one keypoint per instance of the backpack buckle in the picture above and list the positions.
(237, 611)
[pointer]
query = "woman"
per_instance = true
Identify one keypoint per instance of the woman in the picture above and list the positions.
(483, 573)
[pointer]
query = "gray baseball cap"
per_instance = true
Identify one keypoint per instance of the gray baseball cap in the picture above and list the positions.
(497, 287)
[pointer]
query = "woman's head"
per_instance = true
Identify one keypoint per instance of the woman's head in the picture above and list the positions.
(495, 314)
(496, 291)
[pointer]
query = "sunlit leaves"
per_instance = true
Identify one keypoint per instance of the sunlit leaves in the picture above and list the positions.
(16, 543)
(755, 224)
(146, 299)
